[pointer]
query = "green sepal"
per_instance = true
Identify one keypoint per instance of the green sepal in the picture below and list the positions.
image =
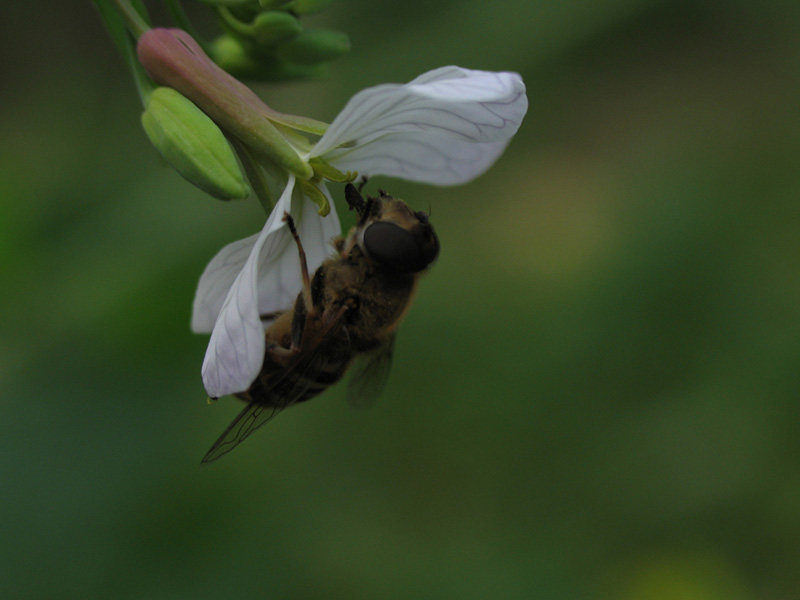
(256, 177)
(266, 178)
(193, 144)
(313, 193)
(326, 171)
(298, 123)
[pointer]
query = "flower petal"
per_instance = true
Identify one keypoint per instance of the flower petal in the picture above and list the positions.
(439, 113)
(216, 282)
(267, 282)
(236, 349)
(420, 157)
(280, 279)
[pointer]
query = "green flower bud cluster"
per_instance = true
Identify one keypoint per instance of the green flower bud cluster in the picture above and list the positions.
(265, 40)
(213, 129)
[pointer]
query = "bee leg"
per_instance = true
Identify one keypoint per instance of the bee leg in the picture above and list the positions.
(362, 183)
(354, 198)
(345, 249)
(303, 264)
(356, 201)
(279, 351)
(298, 322)
(280, 355)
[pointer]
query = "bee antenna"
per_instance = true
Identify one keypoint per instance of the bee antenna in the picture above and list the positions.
(362, 183)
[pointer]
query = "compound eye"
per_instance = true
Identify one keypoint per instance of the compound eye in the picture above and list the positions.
(398, 248)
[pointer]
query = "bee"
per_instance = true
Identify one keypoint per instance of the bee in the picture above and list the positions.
(347, 313)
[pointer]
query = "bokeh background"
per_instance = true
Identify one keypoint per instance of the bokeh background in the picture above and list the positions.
(597, 394)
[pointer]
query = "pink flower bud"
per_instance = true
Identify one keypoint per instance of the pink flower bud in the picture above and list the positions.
(172, 58)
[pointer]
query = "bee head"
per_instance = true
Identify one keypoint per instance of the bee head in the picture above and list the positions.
(396, 237)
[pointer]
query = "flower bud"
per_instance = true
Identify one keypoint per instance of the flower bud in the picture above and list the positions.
(191, 142)
(275, 26)
(229, 53)
(314, 46)
(172, 58)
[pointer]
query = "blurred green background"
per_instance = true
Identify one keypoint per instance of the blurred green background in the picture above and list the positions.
(595, 396)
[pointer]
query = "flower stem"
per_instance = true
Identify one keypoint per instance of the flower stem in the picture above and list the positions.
(144, 85)
(120, 16)
(255, 175)
(235, 25)
(136, 24)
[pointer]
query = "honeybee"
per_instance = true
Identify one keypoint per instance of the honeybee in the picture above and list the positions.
(349, 310)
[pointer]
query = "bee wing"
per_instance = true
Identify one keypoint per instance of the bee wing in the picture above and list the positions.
(284, 389)
(369, 374)
(245, 423)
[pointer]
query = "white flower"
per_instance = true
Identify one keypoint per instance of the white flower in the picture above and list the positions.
(445, 127)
